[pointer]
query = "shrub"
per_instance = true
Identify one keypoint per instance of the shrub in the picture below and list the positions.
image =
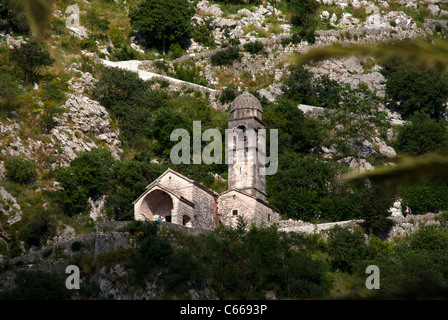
(430, 237)
(20, 170)
(95, 22)
(39, 228)
(176, 50)
(254, 47)
(346, 248)
(228, 94)
(234, 42)
(87, 176)
(225, 57)
(37, 285)
(31, 57)
(190, 72)
(52, 89)
(425, 196)
(421, 135)
(163, 21)
(9, 92)
(204, 35)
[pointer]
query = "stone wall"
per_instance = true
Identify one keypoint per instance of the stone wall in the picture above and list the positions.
(204, 202)
(234, 200)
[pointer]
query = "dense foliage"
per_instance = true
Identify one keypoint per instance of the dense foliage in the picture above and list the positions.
(30, 58)
(12, 17)
(304, 19)
(163, 22)
(411, 90)
(92, 174)
(20, 170)
(225, 57)
(421, 134)
(302, 87)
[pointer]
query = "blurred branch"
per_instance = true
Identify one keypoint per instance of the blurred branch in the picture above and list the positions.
(38, 13)
(432, 166)
(428, 55)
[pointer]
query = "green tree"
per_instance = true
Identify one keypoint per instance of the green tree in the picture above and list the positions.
(87, 176)
(422, 134)
(412, 90)
(377, 197)
(299, 185)
(302, 87)
(130, 100)
(166, 120)
(346, 248)
(304, 19)
(296, 133)
(31, 57)
(165, 21)
(359, 116)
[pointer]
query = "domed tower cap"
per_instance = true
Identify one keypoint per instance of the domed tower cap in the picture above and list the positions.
(246, 101)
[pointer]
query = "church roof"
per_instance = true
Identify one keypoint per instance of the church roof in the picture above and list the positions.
(194, 182)
(246, 101)
(267, 204)
(159, 186)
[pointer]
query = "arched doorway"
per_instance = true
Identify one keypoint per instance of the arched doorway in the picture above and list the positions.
(157, 204)
(186, 221)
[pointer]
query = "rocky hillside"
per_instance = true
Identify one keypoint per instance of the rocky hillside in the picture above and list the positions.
(106, 87)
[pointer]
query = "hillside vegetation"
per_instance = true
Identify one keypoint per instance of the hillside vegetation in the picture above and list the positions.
(80, 141)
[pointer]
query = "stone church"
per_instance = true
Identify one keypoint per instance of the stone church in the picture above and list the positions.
(181, 200)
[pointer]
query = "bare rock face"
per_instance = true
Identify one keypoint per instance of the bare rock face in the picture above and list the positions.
(10, 207)
(351, 71)
(83, 117)
(353, 163)
(213, 9)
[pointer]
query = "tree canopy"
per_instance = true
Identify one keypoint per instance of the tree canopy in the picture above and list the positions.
(163, 21)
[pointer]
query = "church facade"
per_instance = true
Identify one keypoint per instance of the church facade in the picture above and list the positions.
(178, 199)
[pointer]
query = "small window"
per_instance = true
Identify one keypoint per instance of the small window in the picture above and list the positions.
(235, 212)
(269, 217)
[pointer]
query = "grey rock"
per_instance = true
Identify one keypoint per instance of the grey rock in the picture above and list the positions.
(353, 164)
(97, 207)
(10, 207)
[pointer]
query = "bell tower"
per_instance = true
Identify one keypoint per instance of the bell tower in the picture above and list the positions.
(244, 166)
